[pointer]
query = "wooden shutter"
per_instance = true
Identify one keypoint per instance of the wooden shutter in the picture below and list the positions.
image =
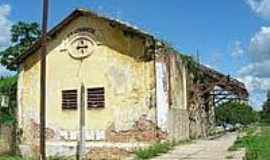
(69, 99)
(95, 97)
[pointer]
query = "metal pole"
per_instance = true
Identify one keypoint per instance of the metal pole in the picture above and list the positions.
(81, 144)
(43, 81)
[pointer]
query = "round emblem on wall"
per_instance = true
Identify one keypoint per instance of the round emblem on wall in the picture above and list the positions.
(81, 47)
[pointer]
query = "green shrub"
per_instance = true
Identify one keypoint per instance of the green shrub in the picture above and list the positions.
(234, 112)
(153, 150)
(265, 113)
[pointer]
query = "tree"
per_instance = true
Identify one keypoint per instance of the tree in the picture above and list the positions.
(235, 112)
(265, 114)
(8, 87)
(23, 35)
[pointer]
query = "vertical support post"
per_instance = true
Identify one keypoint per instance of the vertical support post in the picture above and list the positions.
(81, 146)
(168, 63)
(43, 81)
(155, 83)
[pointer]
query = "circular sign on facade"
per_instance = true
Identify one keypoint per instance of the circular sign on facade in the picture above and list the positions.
(79, 44)
(81, 47)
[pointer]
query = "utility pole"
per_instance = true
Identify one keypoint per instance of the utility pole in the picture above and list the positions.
(198, 55)
(81, 145)
(43, 80)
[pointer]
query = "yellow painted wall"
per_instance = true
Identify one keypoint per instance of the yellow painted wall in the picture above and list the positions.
(114, 65)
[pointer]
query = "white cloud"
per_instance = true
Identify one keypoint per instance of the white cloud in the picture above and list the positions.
(255, 84)
(5, 25)
(256, 74)
(256, 69)
(237, 49)
(257, 88)
(259, 47)
(260, 7)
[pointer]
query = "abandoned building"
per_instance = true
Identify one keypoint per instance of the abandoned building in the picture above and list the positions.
(121, 86)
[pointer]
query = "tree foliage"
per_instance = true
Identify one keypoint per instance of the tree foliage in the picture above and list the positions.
(265, 114)
(8, 84)
(23, 35)
(8, 87)
(234, 112)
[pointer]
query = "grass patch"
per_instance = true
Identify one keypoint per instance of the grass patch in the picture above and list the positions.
(153, 151)
(10, 157)
(257, 144)
(157, 149)
(229, 157)
(60, 158)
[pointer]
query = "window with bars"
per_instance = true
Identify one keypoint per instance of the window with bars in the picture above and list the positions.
(95, 98)
(69, 99)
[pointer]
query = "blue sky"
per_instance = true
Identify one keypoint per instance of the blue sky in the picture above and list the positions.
(227, 33)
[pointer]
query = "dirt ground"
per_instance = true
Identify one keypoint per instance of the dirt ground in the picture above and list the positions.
(216, 149)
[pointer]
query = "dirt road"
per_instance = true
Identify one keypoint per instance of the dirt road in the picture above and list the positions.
(216, 149)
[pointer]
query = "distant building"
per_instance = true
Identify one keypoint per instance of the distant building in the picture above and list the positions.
(123, 86)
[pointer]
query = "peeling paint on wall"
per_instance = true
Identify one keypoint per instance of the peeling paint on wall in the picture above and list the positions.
(162, 96)
(126, 117)
(144, 130)
(20, 97)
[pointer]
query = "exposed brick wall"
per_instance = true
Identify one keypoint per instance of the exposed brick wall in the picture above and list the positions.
(50, 134)
(143, 131)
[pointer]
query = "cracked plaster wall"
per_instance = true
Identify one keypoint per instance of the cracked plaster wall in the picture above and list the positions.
(115, 65)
